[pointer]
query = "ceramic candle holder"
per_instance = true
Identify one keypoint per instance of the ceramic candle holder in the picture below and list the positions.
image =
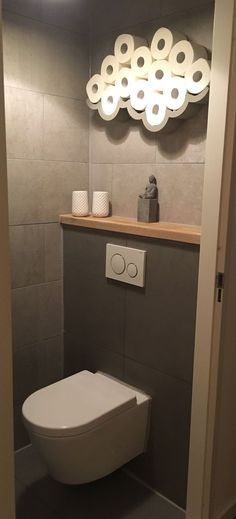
(80, 205)
(100, 206)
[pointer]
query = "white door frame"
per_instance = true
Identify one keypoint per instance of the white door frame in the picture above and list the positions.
(219, 150)
(7, 495)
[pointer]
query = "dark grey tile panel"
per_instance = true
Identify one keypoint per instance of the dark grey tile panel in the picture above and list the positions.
(36, 313)
(160, 319)
(28, 466)
(94, 306)
(21, 437)
(165, 464)
(29, 506)
(52, 251)
(36, 366)
(27, 255)
(78, 356)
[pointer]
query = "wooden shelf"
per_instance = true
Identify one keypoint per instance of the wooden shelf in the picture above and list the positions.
(162, 230)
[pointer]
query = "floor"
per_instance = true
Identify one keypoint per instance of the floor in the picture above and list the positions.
(115, 497)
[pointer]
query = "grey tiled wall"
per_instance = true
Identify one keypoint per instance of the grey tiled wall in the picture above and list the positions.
(143, 336)
(122, 153)
(45, 69)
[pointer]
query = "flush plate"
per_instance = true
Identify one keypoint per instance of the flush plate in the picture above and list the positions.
(125, 264)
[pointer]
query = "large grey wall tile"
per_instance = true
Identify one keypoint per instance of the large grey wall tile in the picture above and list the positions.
(65, 129)
(39, 191)
(121, 142)
(180, 192)
(17, 55)
(164, 466)
(52, 252)
(25, 316)
(36, 366)
(94, 306)
(31, 51)
(27, 255)
(129, 180)
(100, 178)
(50, 312)
(72, 15)
(107, 15)
(187, 142)
(78, 356)
(20, 434)
(160, 319)
(24, 124)
(36, 313)
(171, 6)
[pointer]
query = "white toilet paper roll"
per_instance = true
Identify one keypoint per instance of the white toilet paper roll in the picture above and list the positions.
(125, 45)
(156, 110)
(109, 69)
(163, 41)
(141, 62)
(198, 76)
(110, 100)
(183, 54)
(95, 88)
(158, 74)
(140, 94)
(175, 93)
(124, 82)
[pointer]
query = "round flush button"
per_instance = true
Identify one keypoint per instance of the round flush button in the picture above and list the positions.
(118, 263)
(132, 270)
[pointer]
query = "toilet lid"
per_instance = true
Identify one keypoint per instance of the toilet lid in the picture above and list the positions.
(76, 404)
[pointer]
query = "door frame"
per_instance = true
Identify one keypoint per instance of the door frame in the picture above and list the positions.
(218, 169)
(7, 493)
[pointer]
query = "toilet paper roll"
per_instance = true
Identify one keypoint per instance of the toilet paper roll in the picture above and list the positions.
(110, 100)
(125, 45)
(163, 41)
(175, 93)
(95, 88)
(141, 62)
(159, 73)
(156, 110)
(109, 69)
(183, 54)
(124, 82)
(198, 76)
(140, 94)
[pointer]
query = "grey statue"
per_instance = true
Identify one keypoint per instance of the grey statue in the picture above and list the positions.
(151, 191)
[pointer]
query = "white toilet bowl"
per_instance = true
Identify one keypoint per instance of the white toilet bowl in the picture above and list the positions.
(87, 425)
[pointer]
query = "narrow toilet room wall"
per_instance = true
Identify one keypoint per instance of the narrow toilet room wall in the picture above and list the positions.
(46, 69)
(143, 336)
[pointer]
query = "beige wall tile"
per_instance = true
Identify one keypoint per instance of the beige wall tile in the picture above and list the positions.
(27, 255)
(128, 182)
(171, 6)
(24, 124)
(39, 191)
(180, 192)
(101, 178)
(65, 129)
(44, 58)
(120, 142)
(187, 142)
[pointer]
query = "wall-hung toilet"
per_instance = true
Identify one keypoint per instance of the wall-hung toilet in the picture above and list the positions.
(87, 425)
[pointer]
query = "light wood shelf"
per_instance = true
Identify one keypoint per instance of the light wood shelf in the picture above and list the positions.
(162, 230)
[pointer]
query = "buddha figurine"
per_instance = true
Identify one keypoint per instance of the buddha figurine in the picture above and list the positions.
(151, 191)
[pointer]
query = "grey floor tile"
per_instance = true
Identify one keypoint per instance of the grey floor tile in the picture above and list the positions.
(117, 496)
(28, 506)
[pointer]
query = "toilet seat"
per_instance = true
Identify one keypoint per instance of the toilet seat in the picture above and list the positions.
(77, 404)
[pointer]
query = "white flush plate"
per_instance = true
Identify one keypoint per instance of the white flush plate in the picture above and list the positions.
(125, 264)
